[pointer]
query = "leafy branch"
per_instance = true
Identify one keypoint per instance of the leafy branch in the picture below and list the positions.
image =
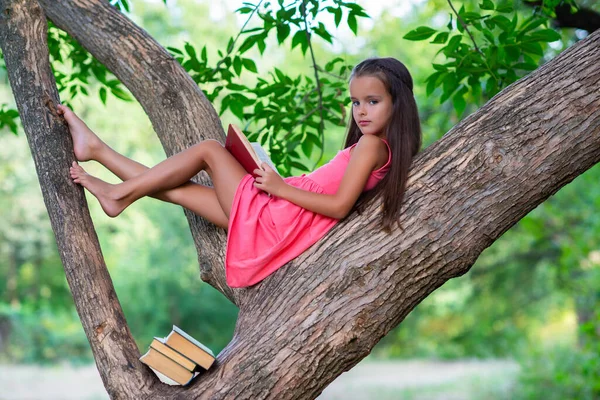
(320, 93)
(508, 52)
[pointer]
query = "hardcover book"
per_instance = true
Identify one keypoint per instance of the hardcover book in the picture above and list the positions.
(167, 367)
(177, 358)
(250, 155)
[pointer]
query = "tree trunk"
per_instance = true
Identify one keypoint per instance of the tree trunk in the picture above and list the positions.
(323, 312)
(23, 33)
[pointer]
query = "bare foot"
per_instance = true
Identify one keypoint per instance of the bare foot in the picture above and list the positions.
(111, 202)
(85, 142)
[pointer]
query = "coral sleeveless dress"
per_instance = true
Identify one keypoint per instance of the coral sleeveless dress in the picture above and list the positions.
(266, 232)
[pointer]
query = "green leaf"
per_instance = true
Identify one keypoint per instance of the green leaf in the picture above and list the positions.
(237, 65)
(244, 10)
(190, 50)
(469, 16)
(452, 45)
(280, 75)
(545, 35)
(512, 52)
(252, 136)
(421, 33)
(249, 65)
(525, 66)
(175, 50)
(352, 23)
(121, 94)
(102, 93)
(459, 102)
(475, 86)
(434, 80)
(503, 22)
(487, 5)
(262, 45)
(248, 43)
(337, 16)
(298, 165)
(235, 86)
(506, 8)
(530, 24)
(441, 37)
(237, 108)
(491, 87)
(489, 23)
(532, 47)
(331, 64)
(449, 86)
(299, 38)
(322, 31)
(313, 138)
(283, 31)
(489, 36)
(307, 147)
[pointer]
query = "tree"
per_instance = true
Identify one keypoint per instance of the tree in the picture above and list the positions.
(299, 330)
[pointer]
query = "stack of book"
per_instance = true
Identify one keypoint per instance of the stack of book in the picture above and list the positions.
(177, 358)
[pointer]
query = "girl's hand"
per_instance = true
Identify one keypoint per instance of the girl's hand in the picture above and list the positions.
(268, 180)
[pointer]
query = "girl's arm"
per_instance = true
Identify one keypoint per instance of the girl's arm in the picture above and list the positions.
(363, 160)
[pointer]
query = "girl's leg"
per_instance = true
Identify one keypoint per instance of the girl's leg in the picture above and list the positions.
(200, 199)
(209, 155)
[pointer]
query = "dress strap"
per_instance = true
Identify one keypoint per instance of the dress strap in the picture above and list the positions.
(387, 164)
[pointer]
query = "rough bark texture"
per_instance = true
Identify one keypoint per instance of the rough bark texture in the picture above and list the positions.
(322, 313)
(23, 31)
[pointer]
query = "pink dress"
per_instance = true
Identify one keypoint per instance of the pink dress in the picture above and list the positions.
(267, 232)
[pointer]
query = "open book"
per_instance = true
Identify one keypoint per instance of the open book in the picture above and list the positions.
(250, 155)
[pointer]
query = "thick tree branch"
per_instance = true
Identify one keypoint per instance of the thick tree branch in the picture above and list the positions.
(322, 313)
(172, 100)
(23, 32)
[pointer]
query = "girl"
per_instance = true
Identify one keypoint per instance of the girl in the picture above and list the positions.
(271, 220)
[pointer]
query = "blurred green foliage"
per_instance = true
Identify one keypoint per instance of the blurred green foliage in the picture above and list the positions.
(533, 295)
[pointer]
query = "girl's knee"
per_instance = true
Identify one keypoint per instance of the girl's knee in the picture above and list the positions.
(206, 147)
(212, 144)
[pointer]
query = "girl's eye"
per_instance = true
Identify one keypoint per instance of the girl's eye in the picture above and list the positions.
(355, 103)
(373, 102)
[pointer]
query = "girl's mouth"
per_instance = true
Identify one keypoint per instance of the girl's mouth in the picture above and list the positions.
(363, 123)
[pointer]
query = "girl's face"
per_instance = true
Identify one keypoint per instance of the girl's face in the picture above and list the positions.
(371, 105)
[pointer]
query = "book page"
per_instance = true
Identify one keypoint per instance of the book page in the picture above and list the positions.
(262, 155)
(164, 379)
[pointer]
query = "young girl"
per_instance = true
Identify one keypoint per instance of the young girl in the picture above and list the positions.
(271, 220)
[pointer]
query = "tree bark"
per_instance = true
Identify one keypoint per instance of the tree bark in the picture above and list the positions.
(23, 32)
(323, 312)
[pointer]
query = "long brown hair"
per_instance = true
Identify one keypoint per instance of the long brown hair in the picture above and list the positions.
(403, 134)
